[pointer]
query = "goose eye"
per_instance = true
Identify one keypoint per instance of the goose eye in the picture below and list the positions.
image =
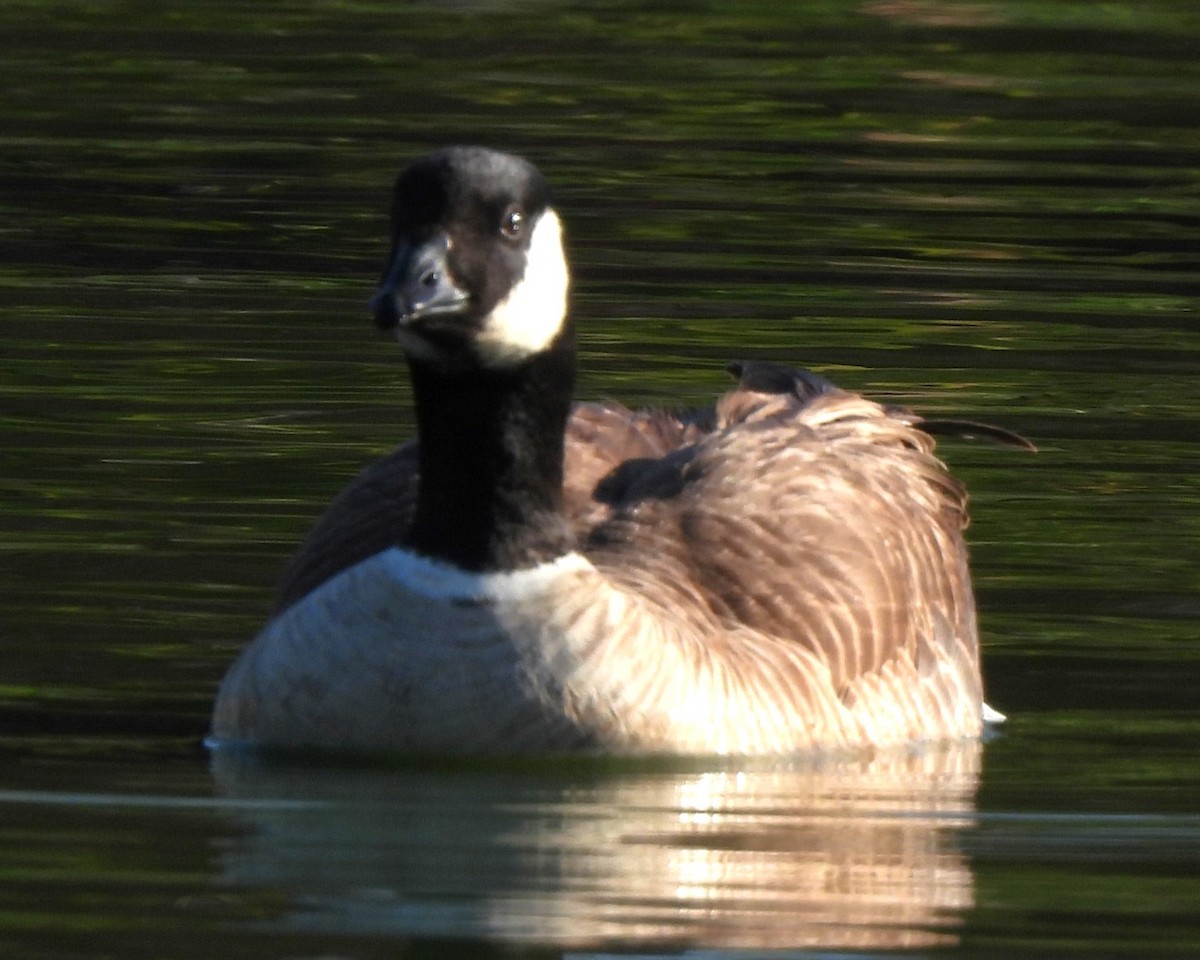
(512, 223)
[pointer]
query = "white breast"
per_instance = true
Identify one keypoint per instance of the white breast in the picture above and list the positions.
(403, 653)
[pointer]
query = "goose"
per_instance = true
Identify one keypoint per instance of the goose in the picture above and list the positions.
(782, 571)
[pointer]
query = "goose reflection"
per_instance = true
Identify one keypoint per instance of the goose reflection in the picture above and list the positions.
(826, 853)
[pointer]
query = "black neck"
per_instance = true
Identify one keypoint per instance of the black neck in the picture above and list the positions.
(489, 495)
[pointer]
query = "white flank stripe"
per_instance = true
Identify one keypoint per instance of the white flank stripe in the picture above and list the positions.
(992, 715)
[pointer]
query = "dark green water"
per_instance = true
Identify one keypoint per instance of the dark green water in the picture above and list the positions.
(989, 210)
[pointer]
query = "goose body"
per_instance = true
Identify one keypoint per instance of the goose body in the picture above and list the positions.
(783, 571)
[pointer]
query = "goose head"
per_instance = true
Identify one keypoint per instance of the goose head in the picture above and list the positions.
(477, 276)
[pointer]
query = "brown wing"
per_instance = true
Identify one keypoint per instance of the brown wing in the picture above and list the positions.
(813, 516)
(606, 447)
(370, 514)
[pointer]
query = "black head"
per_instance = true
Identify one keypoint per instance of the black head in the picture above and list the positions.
(478, 275)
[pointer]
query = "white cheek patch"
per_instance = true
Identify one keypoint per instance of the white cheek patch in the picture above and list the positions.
(531, 316)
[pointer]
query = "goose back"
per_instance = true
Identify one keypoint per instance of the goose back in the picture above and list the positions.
(827, 523)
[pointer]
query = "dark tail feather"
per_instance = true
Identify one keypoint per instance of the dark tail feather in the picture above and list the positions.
(970, 430)
(767, 376)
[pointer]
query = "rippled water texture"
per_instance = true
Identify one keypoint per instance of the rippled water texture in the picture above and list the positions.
(985, 210)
